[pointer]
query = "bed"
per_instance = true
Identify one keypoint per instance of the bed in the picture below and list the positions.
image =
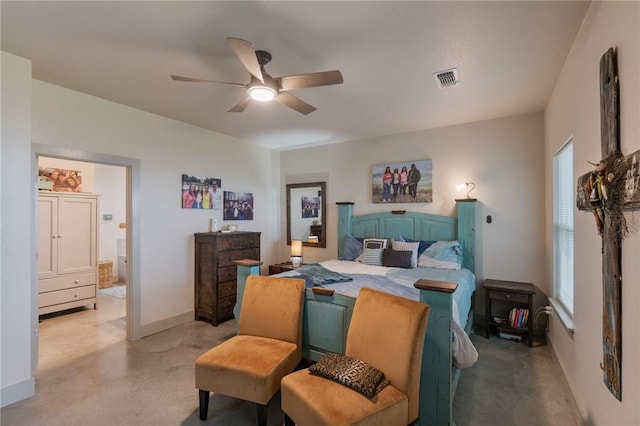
(328, 307)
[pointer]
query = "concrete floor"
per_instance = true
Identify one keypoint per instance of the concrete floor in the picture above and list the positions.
(89, 375)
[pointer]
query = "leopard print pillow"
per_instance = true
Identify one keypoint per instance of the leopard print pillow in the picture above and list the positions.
(351, 372)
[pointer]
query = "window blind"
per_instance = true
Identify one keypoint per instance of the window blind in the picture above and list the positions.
(563, 226)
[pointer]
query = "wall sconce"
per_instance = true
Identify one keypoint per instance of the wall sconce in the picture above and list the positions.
(296, 253)
(462, 186)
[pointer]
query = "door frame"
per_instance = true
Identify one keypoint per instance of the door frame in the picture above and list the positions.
(132, 165)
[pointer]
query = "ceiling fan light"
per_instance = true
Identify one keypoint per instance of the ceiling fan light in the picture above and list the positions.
(262, 93)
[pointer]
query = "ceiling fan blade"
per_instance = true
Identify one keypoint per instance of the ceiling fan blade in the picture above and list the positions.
(295, 103)
(315, 79)
(247, 55)
(199, 80)
(240, 106)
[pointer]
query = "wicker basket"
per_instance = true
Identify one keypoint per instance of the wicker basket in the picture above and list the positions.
(105, 274)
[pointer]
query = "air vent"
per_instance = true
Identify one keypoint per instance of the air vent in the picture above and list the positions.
(446, 78)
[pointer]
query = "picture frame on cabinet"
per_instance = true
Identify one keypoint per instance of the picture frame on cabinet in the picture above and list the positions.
(60, 180)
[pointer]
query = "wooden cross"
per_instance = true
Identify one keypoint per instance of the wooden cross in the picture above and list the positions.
(608, 213)
(611, 243)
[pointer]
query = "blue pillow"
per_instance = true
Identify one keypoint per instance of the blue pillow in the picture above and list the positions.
(421, 247)
(442, 255)
(352, 248)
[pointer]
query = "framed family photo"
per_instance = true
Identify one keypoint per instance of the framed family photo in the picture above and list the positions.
(200, 193)
(402, 182)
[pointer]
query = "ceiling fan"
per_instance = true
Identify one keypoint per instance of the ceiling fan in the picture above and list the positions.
(263, 87)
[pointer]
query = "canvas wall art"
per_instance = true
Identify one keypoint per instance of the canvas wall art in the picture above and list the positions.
(200, 193)
(238, 206)
(59, 179)
(402, 182)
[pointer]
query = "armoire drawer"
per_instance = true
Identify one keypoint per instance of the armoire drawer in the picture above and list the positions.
(69, 295)
(66, 281)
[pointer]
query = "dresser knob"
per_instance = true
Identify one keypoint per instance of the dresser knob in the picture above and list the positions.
(76, 281)
(508, 296)
(76, 295)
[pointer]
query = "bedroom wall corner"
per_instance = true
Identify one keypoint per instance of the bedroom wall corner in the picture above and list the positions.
(574, 111)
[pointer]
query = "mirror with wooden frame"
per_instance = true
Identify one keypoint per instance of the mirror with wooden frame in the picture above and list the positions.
(306, 213)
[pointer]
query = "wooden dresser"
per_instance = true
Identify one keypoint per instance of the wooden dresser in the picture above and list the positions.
(215, 274)
(67, 251)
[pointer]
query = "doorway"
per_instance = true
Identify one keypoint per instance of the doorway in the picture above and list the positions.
(107, 185)
(132, 238)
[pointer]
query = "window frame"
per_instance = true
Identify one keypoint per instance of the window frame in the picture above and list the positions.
(563, 227)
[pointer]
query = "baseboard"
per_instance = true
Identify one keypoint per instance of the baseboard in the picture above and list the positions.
(165, 324)
(18, 392)
(575, 408)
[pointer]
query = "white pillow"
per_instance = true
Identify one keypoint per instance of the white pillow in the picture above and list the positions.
(404, 246)
(372, 249)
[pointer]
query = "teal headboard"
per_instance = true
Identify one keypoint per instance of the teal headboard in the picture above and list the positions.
(414, 225)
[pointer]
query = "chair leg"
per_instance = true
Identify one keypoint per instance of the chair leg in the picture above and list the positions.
(262, 414)
(288, 421)
(204, 403)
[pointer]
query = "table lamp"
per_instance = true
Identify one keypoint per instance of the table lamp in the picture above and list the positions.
(296, 253)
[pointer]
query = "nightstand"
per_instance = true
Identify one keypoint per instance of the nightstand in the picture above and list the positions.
(516, 294)
(280, 267)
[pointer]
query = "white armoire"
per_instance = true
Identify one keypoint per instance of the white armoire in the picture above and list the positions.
(67, 251)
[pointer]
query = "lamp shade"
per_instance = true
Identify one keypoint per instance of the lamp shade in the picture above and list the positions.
(462, 186)
(296, 248)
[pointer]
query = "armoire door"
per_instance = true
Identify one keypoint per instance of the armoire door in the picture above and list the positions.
(47, 237)
(77, 235)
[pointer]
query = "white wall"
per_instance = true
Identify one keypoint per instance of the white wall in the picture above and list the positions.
(503, 157)
(111, 184)
(166, 149)
(47, 115)
(17, 330)
(574, 109)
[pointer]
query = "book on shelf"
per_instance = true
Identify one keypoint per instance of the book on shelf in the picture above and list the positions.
(519, 317)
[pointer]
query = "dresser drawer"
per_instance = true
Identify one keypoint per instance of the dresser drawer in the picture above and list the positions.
(65, 281)
(509, 296)
(226, 258)
(69, 295)
(239, 241)
(225, 307)
(227, 289)
(227, 274)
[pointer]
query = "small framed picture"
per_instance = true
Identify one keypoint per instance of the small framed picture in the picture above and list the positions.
(238, 206)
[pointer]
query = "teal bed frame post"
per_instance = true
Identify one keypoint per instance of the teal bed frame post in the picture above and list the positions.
(245, 267)
(345, 213)
(438, 377)
(467, 231)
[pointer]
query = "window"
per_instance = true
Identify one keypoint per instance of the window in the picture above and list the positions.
(563, 226)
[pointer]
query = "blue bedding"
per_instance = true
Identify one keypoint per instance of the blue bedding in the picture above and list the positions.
(317, 275)
(398, 281)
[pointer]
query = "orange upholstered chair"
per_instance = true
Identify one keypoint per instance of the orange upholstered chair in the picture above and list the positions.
(386, 332)
(268, 345)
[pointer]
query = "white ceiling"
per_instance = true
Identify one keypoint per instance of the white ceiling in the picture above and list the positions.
(508, 56)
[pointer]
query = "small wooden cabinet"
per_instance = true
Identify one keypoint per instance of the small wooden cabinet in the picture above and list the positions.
(215, 272)
(514, 293)
(67, 251)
